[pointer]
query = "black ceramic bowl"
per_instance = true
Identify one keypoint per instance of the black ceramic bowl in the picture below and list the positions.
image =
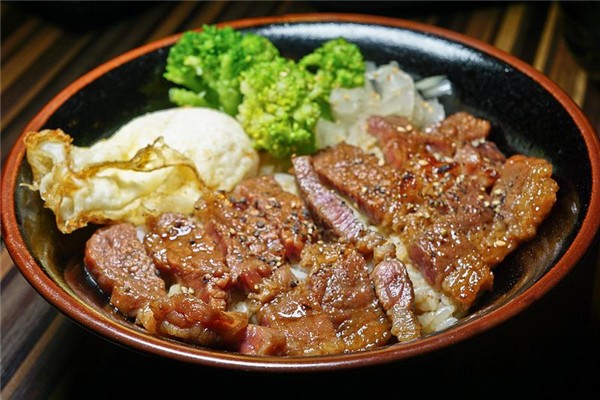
(529, 114)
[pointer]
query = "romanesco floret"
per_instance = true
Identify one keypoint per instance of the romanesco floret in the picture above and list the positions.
(280, 108)
(337, 63)
(277, 101)
(207, 65)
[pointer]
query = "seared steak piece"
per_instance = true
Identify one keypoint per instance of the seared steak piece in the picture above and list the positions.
(400, 141)
(262, 340)
(441, 191)
(451, 262)
(459, 250)
(281, 280)
(249, 241)
(118, 263)
(190, 319)
(395, 201)
(395, 292)
(340, 282)
(185, 254)
(435, 221)
(455, 167)
(331, 210)
(480, 163)
(381, 191)
(522, 198)
(447, 251)
(456, 147)
(307, 328)
(464, 127)
(284, 210)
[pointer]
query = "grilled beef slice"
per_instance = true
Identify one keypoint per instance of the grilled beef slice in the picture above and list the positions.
(340, 282)
(259, 227)
(117, 261)
(522, 198)
(332, 211)
(250, 242)
(295, 311)
(379, 190)
(286, 211)
(445, 198)
(262, 340)
(187, 318)
(457, 146)
(396, 295)
(185, 254)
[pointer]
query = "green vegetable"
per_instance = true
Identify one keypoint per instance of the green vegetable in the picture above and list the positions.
(277, 101)
(207, 65)
(280, 107)
(337, 63)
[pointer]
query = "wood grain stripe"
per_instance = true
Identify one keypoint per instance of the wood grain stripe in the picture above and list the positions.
(208, 14)
(283, 7)
(31, 358)
(564, 70)
(510, 27)
(173, 20)
(580, 86)
(55, 347)
(291, 6)
(38, 85)
(480, 23)
(6, 263)
(10, 43)
(541, 55)
(27, 55)
(25, 317)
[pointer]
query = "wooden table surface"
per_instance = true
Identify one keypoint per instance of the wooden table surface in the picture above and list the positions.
(45, 355)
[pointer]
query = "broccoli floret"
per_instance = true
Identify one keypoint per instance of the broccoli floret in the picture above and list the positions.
(277, 101)
(280, 107)
(207, 65)
(337, 63)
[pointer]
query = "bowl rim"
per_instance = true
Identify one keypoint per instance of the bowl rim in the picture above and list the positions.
(121, 334)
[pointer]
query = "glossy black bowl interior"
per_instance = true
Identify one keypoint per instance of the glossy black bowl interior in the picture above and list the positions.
(525, 118)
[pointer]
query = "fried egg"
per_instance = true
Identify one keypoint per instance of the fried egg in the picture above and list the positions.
(158, 162)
